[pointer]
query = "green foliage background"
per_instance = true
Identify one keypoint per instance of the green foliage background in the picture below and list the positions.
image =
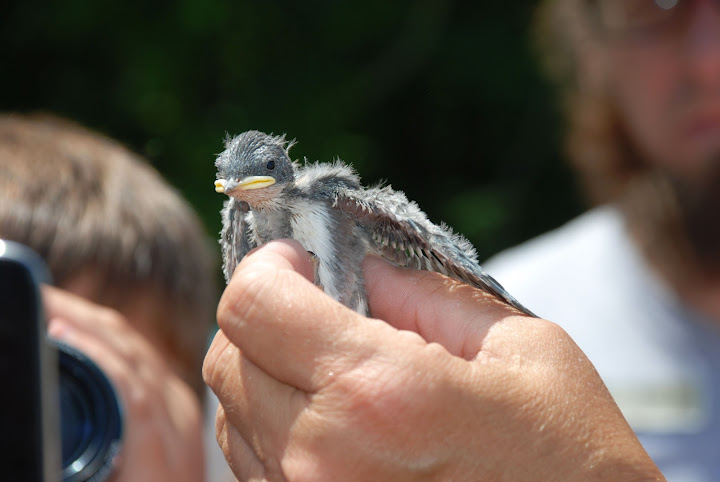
(440, 98)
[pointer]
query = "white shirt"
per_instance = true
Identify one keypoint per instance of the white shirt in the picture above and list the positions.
(660, 361)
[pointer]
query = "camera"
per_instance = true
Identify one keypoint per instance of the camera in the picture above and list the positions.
(60, 417)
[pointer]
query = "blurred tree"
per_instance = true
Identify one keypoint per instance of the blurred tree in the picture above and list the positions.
(440, 98)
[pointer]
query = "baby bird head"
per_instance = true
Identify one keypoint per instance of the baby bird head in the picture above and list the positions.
(254, 167)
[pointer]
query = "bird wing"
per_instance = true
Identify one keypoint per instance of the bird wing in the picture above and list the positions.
(402, 233)
(235, 236)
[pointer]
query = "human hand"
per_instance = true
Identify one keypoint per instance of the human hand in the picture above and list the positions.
(451, 385)
(163, 419)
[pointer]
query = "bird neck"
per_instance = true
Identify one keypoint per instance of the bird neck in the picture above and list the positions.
(267, 205)
(267, 199)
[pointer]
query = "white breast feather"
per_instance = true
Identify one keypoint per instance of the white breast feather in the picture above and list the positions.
(311, 227)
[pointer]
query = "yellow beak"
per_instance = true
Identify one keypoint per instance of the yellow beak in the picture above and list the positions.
(250, 182)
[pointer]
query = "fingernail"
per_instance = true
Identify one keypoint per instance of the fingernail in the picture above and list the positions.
(58, 328)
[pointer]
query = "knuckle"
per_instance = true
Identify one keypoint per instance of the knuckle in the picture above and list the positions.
(110, 316)
(211, 357)
(551, 330)
(221, 425)
(242, 297)
(217, 362)
(141, 403)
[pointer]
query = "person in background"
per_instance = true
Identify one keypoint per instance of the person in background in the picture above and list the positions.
(636, 280)
(134, 284)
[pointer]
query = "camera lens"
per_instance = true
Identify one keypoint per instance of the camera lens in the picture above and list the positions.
(91, 420)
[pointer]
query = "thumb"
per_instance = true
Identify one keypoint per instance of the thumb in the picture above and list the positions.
(440, 309)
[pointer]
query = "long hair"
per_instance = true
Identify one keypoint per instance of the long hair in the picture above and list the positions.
(673, 224)
(567, 35)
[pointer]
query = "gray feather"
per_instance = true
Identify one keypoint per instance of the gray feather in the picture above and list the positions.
(325, 207)
(234, 238)
(403, 234)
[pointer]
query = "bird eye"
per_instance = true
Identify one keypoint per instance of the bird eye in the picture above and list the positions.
(271, 165)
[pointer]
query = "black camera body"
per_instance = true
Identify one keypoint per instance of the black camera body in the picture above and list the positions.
(60, 417)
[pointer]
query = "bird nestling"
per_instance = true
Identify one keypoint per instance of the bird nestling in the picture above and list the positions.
(327, 210)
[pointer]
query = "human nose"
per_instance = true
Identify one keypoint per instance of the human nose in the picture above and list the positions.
(703, 43)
